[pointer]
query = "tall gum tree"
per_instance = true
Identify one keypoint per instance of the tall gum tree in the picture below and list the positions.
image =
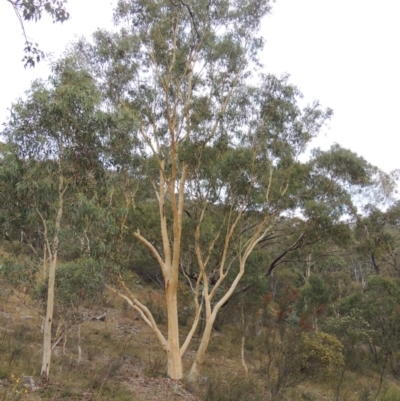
(220, 151)
(51, 130)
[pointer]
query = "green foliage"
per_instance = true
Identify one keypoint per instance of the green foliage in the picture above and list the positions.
(321, 350)
(382, 310)
(59, 119)
(18, 275)
(315, 293)
(313, 301)
(33, 10)
(78, 283)
(378, 238)
(390, 394)
(339, 282)
(352, 328)
(371, 318)
(54, 138)
(352, 301)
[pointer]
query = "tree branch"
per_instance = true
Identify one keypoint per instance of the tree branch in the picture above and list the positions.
(151, 248)
(143, 311)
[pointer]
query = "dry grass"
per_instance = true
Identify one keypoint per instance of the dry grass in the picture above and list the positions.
(121, 360)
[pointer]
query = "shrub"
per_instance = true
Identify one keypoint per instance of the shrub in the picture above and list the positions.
(321, 350)
(390, 394)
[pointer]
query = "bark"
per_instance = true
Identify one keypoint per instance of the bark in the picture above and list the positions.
(173, 348)
(45, 370)
(243, 324)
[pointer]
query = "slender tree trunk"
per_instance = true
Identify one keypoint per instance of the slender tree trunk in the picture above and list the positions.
(243, 330)
(45, 370)
(79, 345)
(308, 269)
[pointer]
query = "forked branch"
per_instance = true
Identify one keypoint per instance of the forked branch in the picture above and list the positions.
(144, 312)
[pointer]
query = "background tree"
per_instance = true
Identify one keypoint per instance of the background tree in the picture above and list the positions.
(377, 235)
(55, 134)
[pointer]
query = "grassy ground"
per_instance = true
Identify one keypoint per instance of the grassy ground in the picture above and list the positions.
(121, 360)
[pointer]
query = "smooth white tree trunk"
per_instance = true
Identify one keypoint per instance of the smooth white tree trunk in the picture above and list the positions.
(53, 251)
(45, 370)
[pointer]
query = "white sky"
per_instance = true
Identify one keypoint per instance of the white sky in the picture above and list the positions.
(345, 53)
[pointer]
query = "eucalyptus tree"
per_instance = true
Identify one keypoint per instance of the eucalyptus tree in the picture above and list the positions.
(219, 144)
(54, 131)
(222, 152)
(377, 234)
(314, 234)
(319, 226)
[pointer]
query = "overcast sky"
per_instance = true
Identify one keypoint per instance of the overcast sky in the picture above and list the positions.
(345, 53)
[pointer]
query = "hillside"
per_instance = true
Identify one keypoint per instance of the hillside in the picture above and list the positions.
(121, 360)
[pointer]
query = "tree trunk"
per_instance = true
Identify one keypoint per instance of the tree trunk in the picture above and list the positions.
(308, 269)
(45, 370)
(205, 339)
(243, 329)
(173, 349)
